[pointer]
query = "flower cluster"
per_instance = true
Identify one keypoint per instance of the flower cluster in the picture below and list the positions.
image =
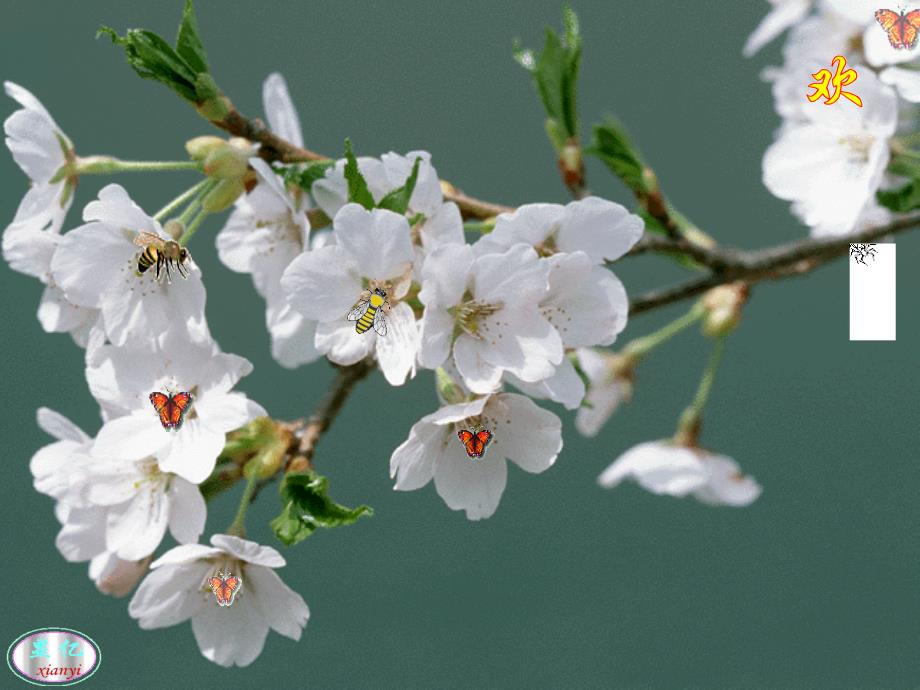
(829, 161)
(360, 260)
(118, 493)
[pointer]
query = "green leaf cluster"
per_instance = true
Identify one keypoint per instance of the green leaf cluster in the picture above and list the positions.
(183, 68)
(307, 506)
(359, 192)
(304, 175)
(555, 73)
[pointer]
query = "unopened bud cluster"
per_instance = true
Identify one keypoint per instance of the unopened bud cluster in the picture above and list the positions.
(227, 162)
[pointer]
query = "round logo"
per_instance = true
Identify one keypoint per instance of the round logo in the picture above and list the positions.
(53, 656)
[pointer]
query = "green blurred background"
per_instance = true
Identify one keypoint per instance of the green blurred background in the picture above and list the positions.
(567, 585)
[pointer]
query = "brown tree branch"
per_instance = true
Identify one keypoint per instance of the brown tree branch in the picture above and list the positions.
(306, 432)
(274, 148)
(729, 265)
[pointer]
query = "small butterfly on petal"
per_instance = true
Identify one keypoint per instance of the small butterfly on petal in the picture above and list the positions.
(171, 408)
(225, 587)
(475, 442)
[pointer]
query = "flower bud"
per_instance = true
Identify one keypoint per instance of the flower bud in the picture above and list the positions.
(226, 163)
(223, 195)
(199, 147)
(723, 306)
(174, 228)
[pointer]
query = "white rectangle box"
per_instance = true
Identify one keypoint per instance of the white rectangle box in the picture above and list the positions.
(873, 282)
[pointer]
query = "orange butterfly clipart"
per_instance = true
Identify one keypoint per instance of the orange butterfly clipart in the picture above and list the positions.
(475, 442)
(225, 587)
(171, 408)
(901, 28)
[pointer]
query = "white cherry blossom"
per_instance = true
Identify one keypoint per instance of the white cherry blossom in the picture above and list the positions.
(96, 267)
(176, 590)
(141, 502)
(784, 14)
(522, 432)
(485, 312)
(41, 149)
(831, 164)
(606, 390)
(602, 229)
(371, 249)
(58, 467)
(122, 379)
(665, 468)
(267, 230)
(383, 175)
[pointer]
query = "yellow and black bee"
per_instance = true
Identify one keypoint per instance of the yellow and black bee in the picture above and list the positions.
(370, 312)
(161, 253)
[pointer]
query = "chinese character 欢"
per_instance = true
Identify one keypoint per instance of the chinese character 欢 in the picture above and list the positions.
(39, 649)
(841, 77)
(70, 648)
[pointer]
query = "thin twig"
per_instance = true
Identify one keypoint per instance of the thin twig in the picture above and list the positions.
(728, 265)
(274, 148)
(306, 432)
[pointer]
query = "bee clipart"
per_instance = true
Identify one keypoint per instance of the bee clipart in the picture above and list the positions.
(161, 253)
(370, 311)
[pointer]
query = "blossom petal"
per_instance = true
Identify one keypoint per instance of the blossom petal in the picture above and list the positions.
(88, 260)
(83, 534)
(587, 305)
(57, 425)
(605, 231)
(279, 110)
(187, 511)
(396, 351)
(436, 329)
(445, 274)
(226, 412)
(230, 636)
(341, 344)
(726, 485)
(135, 530)
(525, 433)
(783, 15)
(169, 595)
(131, 437)
(186, 553)
(526, 344)
(475, 486)
(322, 284)
(444, 227)
(412, 463)
(658, 467)
(117, 210)
(193, 451)
(564, 386)
(479, 374)
(248, 551)
(377, 240)
(282, 608)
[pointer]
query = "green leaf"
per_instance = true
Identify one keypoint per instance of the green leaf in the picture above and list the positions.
(555, 72)
(307, 506)
(184, 69)
(153, 58)
(398, 200)
(304, 175)
(612, 146)
(902, 199)
(358, 191)
(188, 41)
